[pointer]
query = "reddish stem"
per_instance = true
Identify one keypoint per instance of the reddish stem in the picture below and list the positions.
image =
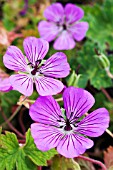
(39, 168)
(15, 112)
(93, 161)
(106, 94)
(21, 120)
(11, 126)
(21, 141)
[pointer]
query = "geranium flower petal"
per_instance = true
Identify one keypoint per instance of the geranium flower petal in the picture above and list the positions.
(48, 86)
(48, 30)
(73, 13)
(73, 145)
(64, 42)
(23, 83)
(45, 137)
(95, 123)
(79, 30)
(5, 85)
(77, 102)
(35, 48)
(56, 66)
(46, 110)
(55, 13)
(14, 59)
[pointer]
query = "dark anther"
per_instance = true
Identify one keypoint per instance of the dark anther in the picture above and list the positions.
(75, 125)
(43, 65)
(29, 63)
(61, 126)
(38, 61)
(58, 120)
(60, 116)
(40, 71)
(64, 27)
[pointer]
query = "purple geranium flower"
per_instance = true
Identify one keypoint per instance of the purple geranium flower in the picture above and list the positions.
(63, 25)
(31, 70)
(65, 131)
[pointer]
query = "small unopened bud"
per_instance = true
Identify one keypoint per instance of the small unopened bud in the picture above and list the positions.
(74, 79)
(103, 61)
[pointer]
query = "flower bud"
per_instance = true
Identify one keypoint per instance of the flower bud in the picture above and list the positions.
(103, 61)
(74, 79)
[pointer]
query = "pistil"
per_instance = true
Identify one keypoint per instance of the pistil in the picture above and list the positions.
(68, 126)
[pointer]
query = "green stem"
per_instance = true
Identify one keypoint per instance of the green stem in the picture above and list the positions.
(109, 74)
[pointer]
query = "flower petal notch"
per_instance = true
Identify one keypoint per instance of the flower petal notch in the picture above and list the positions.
(64, 129)
(32, 69)
(63, 25)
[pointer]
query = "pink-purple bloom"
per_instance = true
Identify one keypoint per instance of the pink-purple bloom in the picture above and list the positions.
(32, 68)
(66, 131)
(5, 85)
(63, 24)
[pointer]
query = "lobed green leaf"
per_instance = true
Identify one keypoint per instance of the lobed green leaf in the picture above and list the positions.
(21, 156)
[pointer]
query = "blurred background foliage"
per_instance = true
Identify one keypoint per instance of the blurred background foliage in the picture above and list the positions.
(18, 20)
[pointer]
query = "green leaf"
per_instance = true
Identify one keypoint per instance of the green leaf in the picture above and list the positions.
(31, 2)
(10, 12)
(8, 151)
(0, 130)
(38, 157)
(65, 164)
(100, 100)
(110, 57)
(7, 100)
(83, 81)
(100, 22)
(21, 156)
(9, 25)
(90, 67)
(100, 79)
